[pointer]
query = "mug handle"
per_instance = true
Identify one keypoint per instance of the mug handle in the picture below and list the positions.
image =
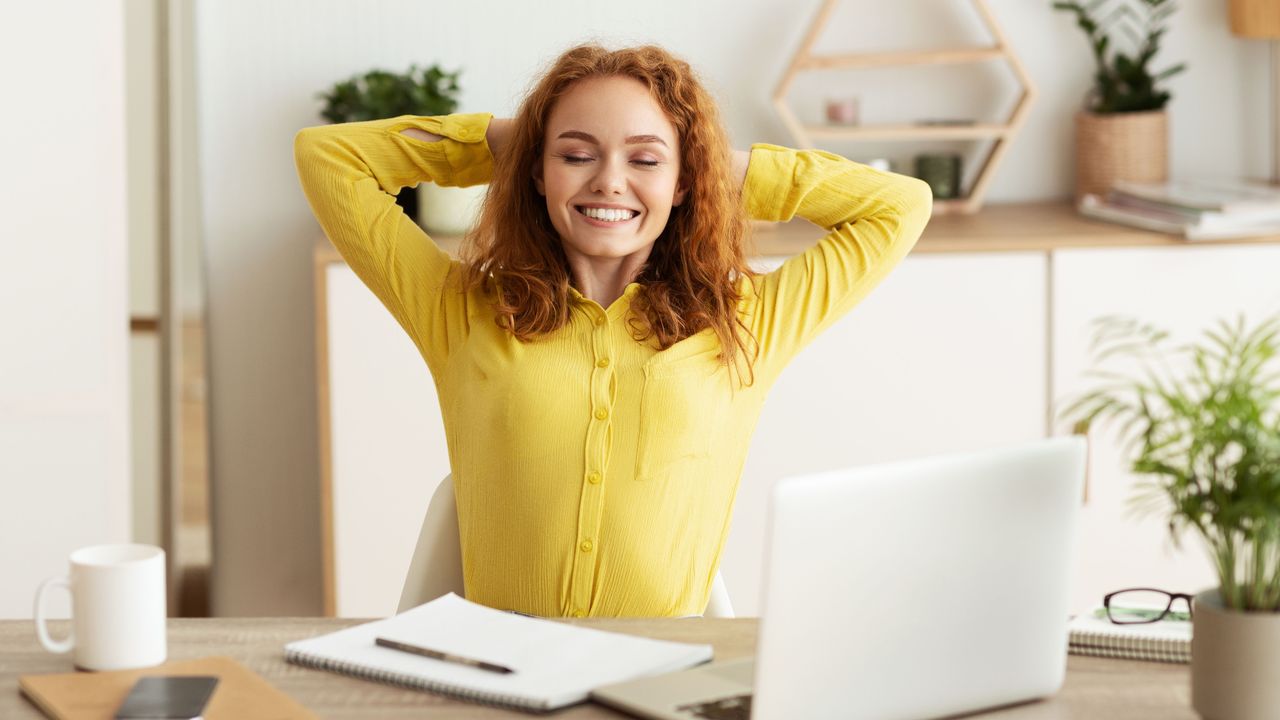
(51, 644)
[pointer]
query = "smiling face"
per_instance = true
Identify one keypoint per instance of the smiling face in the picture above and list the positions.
(610, 169)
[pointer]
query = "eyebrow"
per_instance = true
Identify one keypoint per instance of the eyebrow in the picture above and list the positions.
(632, 140)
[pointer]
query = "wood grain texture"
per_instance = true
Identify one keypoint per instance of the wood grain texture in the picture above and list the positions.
(1255, 18)
(328, 582)
(1096, 688)
(950, 56)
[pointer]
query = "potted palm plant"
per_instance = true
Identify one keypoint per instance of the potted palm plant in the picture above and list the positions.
(1122, 131)
(380, 94)
(1202, 424)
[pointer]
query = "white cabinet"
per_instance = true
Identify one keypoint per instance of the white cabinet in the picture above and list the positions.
(948, 354)
(386, 446)
(954, 352)
(1184, 290)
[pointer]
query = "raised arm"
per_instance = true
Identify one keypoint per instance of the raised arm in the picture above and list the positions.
(350, 173)
(873, 220)
(495, 135)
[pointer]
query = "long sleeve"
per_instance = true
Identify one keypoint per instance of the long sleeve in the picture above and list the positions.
(873, 220)
(350, 173)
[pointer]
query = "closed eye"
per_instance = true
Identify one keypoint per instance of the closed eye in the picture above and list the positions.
(583, 159)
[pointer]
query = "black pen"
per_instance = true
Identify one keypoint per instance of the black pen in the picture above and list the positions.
(436, 654)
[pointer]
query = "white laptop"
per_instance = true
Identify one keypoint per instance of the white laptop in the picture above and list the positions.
(917, 589)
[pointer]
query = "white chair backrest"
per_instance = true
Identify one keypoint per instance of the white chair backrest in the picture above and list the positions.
(436, 567)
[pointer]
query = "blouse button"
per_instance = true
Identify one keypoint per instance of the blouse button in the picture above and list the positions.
(594, 478)
(601, 321)
(586, 546)
(602, 414)
(602, 363)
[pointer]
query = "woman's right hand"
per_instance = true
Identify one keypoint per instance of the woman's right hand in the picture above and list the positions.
(496, 135)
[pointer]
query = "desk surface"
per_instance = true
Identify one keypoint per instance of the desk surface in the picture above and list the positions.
(1096, 688)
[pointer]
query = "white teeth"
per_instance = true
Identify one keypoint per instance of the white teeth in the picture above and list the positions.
(608, 214)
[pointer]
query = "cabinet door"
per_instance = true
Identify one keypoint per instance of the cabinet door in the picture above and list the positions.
(1183, 289)
(948, 354)
(387, 447)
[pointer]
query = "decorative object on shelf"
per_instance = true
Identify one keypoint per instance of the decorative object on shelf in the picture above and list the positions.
(1209, 437)
(380, 94)
(842, 111)
(1001, 133)
(947, 122)
(942, 172)
(445, 211)
(1261, 19)
(1122, 132)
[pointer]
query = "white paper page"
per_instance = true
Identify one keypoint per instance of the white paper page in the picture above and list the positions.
(553, 663)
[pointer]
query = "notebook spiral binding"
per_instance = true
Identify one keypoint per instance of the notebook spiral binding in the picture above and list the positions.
(1131, 647)
(507, 702)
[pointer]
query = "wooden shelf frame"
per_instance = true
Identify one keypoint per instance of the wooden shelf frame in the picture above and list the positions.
(1001, 133)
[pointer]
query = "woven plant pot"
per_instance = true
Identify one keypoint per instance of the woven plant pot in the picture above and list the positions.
(1120, 146)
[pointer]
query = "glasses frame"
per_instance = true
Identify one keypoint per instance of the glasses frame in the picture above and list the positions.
(1168, 608)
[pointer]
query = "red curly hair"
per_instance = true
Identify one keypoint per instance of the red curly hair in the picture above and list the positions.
(689, 282)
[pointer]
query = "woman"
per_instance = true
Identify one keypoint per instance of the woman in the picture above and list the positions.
(602, 351)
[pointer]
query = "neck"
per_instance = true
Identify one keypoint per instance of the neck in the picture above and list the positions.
(604, 279)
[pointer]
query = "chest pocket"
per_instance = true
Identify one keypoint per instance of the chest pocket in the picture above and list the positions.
(681, 413)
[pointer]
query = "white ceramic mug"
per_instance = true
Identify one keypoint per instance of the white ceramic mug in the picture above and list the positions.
(117, 607)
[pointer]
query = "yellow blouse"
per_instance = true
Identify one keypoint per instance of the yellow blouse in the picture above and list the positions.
(596, 476)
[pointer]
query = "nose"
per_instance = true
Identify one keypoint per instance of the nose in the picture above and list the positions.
(610, 180)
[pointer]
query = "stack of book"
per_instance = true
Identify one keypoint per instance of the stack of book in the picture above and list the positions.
(1192, 209)
(1163, 641)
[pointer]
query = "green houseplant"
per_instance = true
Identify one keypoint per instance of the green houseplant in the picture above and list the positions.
(1201, 423)
(1122, 132)
(1124, 82)
(380, 94)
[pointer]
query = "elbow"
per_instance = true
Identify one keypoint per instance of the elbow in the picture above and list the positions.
(918, 198)
(917, 207)
(306, 144)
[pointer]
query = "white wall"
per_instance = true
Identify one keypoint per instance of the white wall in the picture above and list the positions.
(64, 403)
(261, 65)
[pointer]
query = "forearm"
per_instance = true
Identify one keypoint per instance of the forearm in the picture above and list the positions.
(739, 162)
(829, 190)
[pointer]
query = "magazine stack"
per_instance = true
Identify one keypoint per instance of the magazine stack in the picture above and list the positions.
(1192, 209)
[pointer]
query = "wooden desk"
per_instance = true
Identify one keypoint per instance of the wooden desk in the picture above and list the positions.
(1096, 688)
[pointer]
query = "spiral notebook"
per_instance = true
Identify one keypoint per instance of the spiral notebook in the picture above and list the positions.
(553, 664)
(1164, 641)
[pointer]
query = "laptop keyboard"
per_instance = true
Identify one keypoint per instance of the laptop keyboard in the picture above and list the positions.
(737, 707)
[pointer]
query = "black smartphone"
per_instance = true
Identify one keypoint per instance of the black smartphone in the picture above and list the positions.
(169, 697)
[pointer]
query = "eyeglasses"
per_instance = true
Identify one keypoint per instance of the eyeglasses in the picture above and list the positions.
(1136, 606)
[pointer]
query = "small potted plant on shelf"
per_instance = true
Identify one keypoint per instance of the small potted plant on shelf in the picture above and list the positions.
(1202, 421)
(1122, 132)
(379, 94)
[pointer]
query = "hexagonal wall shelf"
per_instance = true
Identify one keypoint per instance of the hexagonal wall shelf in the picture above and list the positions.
(1001, 133)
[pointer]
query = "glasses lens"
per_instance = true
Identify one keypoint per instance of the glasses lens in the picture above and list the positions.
(1137, 606)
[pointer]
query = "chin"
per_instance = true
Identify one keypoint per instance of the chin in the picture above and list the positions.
(605, 249)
